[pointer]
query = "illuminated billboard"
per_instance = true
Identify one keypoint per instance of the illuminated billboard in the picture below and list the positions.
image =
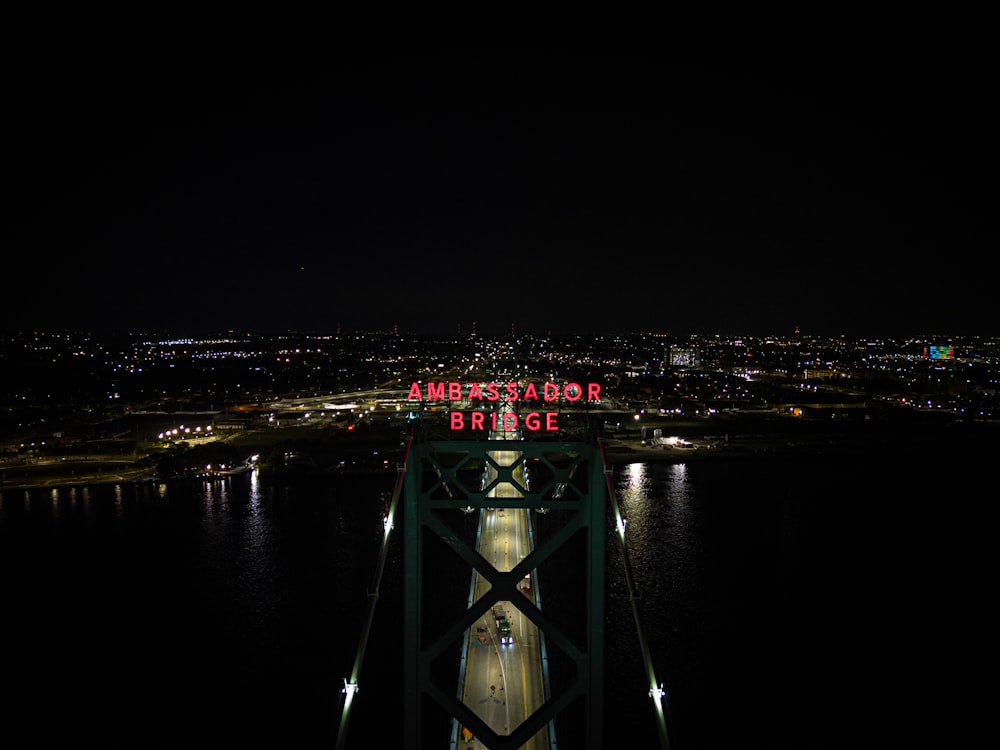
(939, 352)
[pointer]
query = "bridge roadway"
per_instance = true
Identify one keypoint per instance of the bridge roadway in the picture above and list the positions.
(504, 683)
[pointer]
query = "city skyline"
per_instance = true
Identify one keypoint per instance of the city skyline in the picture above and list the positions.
(495, 190)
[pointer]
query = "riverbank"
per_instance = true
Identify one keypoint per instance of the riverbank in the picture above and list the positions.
(326, 452)
(931, 439)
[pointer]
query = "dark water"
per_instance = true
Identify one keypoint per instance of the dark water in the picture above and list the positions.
(815, 603)
(818, 604)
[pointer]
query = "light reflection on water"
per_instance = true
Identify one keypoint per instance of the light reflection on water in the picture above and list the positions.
(258, 566)
(664, 547)
(661, 534)
(255, 491)
(222, 591)
(240, 587)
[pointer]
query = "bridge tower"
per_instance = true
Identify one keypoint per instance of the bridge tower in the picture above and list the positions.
(564, 483)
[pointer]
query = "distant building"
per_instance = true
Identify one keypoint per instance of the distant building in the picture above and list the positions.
(819, 373)
(684, 357)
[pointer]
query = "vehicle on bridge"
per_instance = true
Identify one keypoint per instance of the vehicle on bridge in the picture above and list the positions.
(503, 624)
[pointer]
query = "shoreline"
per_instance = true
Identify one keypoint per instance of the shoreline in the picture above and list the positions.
(618, 451)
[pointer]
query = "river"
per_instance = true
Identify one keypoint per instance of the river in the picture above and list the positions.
(820, 602)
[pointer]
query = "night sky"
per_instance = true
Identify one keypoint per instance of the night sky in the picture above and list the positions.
(206, 183)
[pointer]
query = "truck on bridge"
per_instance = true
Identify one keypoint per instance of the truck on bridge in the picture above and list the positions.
(503, 624)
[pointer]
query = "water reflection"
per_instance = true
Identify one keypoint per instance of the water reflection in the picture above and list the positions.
(255, 491)
(256, 551)
(54, 504)
(657, 501)
(666, 550)
(216, 493)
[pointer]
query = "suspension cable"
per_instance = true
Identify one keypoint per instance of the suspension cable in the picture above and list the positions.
(351, 684)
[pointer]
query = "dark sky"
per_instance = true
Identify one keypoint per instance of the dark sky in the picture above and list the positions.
(200, 183)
